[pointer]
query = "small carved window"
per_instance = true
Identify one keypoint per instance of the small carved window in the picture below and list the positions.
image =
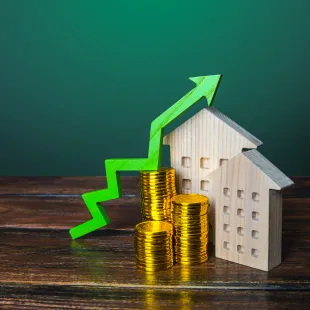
(240, 212)
(240, 249)
(255, 196)
(255, 253)
(255, 216)
(186, 162)
(240, 231)
(204, 163)
(240, 194)
(226, 192)
(186, 184)
(226, 245)
(205, 185)
(226, 227)
(255, 234)
(223, 161)
(226, 210)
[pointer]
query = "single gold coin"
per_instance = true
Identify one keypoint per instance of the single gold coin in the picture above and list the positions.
(149, 228)
(154, 268)
(190, 199)
(190, 262)
(189, 212)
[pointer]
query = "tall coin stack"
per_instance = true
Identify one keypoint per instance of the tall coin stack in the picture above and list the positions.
(190, 221)
(157, 188)
(153, 245)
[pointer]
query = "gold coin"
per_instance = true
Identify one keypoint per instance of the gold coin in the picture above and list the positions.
(155, 257)
(186, 238)
(191, 262)
(190, 231)
(153, 191)
(189, 223)
(190, 199)
(164, 259)
(150, 228)
(155, 268)
(160, 176)
(156, 202)
(149, 264)
(153, 239)
(189, 250)
(156, 215)
(154, 205)
(189, 213)
(157, 239)
(156, 218)
(158, 252)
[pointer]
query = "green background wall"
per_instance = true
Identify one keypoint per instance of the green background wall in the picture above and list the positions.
(81, 81)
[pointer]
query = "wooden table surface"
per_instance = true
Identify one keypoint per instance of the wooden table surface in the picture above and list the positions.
(41, 267)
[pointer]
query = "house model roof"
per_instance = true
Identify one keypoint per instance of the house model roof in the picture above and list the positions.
(231, 124)
(277, 176)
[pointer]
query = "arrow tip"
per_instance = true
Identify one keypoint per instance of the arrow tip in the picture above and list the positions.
(208, 85)
(197, 79)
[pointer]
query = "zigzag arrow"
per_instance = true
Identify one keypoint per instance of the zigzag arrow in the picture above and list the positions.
(206, 86)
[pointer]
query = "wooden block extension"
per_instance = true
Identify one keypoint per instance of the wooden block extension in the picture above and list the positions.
(206, 86)
(248, 210)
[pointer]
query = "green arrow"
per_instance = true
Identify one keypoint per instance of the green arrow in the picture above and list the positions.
(206, 86)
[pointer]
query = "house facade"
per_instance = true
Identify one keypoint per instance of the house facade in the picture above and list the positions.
(201, 145)
(247, 200)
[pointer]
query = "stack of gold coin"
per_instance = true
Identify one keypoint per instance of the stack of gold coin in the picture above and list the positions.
(157, 188)
(190, 221)
(153, 245)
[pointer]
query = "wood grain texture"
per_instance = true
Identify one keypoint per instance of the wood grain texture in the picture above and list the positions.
(42, 268)
(51, 297)
(62, 185)
(107, 258)
(54, 186)
(64, 213)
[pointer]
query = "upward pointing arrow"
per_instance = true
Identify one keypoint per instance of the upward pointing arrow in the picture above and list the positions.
(206, 86)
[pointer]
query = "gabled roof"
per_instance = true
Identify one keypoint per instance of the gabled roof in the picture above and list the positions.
(231, 124)
(234, 125)
(277, 176)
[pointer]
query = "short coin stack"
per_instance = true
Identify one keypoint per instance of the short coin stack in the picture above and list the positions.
(190, 221)
(157, 188)
(153, 245)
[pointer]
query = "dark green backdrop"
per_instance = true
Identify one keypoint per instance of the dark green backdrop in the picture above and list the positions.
(81, 81)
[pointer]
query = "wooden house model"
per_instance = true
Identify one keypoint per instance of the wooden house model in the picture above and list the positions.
(201, 145)
(215, 157)
(248, 205)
